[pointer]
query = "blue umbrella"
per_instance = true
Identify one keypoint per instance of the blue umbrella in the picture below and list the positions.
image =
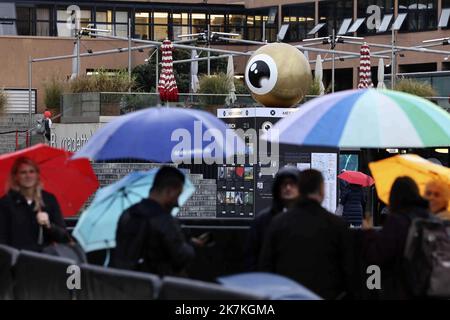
(96, 228)
(269, 285)
(163, 135)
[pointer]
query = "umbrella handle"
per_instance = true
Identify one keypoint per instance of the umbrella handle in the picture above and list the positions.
(41, 236)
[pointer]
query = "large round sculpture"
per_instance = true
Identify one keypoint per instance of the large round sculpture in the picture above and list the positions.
(278, 75)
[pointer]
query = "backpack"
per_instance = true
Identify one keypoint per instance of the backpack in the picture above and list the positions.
(40, 126)
(129, 252)
(427, 257)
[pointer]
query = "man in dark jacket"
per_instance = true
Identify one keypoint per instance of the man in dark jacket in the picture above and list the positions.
(309, 244)
(285, 193)
(148, 238)
(19, 226)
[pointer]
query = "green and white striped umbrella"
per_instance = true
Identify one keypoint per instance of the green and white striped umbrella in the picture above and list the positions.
(366, 118)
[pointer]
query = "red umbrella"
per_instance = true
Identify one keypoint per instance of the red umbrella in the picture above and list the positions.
(356, 177)
(167, 86)
(365, 75)
(71, 181)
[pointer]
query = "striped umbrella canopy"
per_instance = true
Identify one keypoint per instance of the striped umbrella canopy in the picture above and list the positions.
(365, 76)
(367, 118)
(167, 86)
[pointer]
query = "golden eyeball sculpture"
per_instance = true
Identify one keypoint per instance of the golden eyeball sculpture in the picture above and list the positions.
(278, 75)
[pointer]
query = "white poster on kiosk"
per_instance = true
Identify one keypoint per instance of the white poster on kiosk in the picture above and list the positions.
(327, 164)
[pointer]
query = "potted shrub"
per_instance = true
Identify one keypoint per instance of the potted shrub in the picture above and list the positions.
(215, 88)
(418, 88)
(54, 89)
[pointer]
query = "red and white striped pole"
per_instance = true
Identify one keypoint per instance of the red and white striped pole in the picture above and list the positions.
(365, 75)
(167, 86)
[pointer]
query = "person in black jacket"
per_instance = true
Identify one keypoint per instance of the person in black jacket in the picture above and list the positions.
(386, 247)
(30, 218)
(354, 202)
(285, 193)
(148, 238)
(310, 245)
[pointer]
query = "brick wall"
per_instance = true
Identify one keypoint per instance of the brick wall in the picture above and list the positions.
(201, 204)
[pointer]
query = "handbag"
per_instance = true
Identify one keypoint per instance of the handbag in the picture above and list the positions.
(70, 250)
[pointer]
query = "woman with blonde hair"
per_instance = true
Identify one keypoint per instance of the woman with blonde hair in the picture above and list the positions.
(437, 193)
(30, 218)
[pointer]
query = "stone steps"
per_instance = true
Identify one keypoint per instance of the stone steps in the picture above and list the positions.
(201, 204)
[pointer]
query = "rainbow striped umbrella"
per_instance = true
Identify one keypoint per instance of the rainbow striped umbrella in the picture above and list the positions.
(366, 118)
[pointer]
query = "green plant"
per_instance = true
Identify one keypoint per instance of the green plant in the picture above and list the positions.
(54, 89)
(3, 100)
(240, 86)
(314, 89)
(102, 81)
(215, 86)
(418, 88)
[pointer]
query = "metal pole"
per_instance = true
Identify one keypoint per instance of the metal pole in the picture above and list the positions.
(333, 46)
(129, 53)
(264, 31)
(99, 53)
(204, 58)
(209, 53)
(30, 83)
(393, 62)
(176, 45)
(78, 53)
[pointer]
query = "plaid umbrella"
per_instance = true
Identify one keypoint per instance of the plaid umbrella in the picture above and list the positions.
(365, 76)
(167, 85)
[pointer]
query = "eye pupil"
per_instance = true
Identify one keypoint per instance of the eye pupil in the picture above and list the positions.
(259, 71)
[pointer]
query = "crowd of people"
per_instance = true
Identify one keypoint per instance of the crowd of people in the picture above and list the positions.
(296, 237)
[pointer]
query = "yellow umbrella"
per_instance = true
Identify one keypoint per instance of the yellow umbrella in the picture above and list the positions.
(422, 171)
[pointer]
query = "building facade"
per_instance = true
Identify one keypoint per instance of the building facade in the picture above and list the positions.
(40, 29)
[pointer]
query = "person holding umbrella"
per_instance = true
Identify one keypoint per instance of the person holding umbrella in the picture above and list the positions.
(30, 218)
(147, 237)
(354, 199)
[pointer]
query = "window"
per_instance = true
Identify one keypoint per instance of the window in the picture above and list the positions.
(7, 19)
(301, 19)
(236, 24)
(217, 22)
(121, 24)
(421, 14)
(199, 22)
(104, 20)
(142, 25)
(180, 24)
(24, 21)
(333, 14)
(42, 21)
(386, 7)
(255, 26)
(271, 30)
(67, 30)
(160, 25)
